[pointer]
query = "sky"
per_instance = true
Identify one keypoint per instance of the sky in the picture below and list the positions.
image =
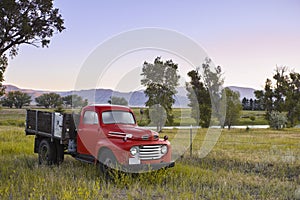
(248, 39)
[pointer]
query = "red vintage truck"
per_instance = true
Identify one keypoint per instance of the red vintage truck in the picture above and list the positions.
(107, 135)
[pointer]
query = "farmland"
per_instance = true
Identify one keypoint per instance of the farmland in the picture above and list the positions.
(244, 164)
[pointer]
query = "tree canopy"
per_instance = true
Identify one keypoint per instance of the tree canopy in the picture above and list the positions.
(49, 100)
(233, 107)
(205, 94)
(118, 101)
(282, 95)
(160, 79)
(17, 99)
(74, 101)
(198, 95)
(30, 22)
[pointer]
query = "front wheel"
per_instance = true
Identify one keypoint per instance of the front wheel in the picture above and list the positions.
(47, 153)
(107, 163)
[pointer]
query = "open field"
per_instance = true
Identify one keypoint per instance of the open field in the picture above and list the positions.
(253, 164)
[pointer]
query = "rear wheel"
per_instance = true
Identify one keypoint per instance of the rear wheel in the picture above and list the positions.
(47, 153)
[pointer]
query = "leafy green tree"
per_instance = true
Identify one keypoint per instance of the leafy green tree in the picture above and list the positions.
(198, 95)
(268, 98)
(67, 100)
(205, 94)
(282, 95)
(30, 22)
(259, 95)
(118, 101)
(292, 100)
(17, 99)
(8, 101)
(233, 107)
(49, 100)
(213, 79)
(74, 101)
(245, 103)
(161, 79)
(280, 88)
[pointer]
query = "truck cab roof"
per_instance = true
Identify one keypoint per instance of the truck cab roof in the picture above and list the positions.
(103, 107)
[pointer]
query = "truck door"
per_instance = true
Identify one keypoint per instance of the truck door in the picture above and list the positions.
(88, 133)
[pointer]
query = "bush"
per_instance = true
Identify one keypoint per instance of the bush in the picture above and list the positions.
(277, 120)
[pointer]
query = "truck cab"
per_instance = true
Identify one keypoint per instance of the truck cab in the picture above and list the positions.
(107, 135)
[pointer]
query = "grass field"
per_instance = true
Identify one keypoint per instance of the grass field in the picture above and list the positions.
(253, 164)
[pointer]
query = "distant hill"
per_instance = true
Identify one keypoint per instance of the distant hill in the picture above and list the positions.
(244, 92)
(135, 98)
(32, 93)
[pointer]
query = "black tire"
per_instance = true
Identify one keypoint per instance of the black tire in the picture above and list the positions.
(107, 164)
(47, 153)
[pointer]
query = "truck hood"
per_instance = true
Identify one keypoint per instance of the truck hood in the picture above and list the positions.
(131, 132)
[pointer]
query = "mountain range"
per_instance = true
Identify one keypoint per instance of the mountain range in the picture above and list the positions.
(135, 98)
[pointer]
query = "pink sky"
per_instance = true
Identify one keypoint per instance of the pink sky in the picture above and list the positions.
(246, 38)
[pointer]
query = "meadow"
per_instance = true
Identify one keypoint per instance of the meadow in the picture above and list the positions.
(244, 164)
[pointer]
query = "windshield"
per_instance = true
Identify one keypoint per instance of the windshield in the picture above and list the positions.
(117, 117)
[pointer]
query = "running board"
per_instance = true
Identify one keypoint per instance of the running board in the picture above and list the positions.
(85, 158)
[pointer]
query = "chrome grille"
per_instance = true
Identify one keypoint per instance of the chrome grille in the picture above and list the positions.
(150, 152)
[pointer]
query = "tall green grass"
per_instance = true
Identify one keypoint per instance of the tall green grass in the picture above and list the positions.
(229, 171)
(12, 117)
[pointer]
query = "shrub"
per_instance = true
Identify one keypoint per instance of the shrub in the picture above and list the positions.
(277, 120)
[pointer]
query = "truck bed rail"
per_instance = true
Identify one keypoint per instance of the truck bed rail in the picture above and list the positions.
(50, 124)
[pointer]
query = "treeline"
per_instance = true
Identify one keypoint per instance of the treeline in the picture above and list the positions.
(19, 99)
(250, 104)
(281, 98)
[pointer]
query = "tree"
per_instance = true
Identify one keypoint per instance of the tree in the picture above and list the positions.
(205, 94)
(292, 100)
(198, 95)
(118, 101)
(161, 79)
(74, 101)
(30, 22)
(282, 95)
(213, 79)
(251, 104)
(233, 107)
(245, 103)
(259, 95)
(280, 88)
(49, 100)
(17, 99)
(268, 98)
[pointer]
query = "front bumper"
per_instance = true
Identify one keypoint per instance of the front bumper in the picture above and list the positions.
(139, 168)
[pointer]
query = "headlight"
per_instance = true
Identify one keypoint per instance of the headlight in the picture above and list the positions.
(134, 150)
(164, 149)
